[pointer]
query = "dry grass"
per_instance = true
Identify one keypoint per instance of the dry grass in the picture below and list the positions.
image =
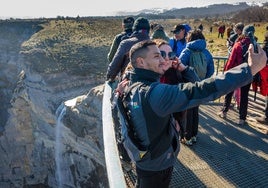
(215, 45)
(80, 46)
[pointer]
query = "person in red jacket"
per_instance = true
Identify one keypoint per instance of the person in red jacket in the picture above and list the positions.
(264, 84)
(237, 57)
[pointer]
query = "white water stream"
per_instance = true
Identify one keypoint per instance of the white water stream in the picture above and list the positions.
(60, 112)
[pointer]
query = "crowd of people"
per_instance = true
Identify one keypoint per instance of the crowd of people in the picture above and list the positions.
(173, 76)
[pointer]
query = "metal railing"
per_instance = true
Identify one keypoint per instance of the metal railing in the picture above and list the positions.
(113, 165)
(219, 62)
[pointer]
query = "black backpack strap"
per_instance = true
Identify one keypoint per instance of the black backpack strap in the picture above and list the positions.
(123, 110)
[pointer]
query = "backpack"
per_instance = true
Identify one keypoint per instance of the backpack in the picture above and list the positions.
(198, 61)
(134, 134)
(132, 149)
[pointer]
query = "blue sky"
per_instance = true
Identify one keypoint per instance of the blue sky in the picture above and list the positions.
(73, 8)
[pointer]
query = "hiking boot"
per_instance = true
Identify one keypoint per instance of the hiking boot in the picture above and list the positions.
(263, 120)
(193, 139)
(241, 122)
(222, 114)
(187, 142)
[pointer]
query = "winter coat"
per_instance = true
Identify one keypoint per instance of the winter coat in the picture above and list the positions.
(121, 59)
(181, 44)
(237, 54)
(264, 74)
(198, 45)
(264, 81)
(117, 39)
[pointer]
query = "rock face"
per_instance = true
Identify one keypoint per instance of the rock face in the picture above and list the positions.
(50, 121)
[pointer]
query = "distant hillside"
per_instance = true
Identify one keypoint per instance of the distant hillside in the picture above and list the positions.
(210, 11)
(191, 12)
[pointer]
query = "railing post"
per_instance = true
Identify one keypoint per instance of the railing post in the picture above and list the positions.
(218, 60)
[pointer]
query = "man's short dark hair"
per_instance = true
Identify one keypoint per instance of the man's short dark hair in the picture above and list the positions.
(139, 50)
(128, 22)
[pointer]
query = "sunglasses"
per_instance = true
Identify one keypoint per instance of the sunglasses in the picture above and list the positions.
(171, 55)
(177, 32)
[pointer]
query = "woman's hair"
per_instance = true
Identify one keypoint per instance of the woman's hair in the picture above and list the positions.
(160, 42)
(194, 35)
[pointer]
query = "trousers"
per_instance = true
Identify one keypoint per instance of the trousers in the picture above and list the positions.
(243, 101)
(192, 122)
(153, 179)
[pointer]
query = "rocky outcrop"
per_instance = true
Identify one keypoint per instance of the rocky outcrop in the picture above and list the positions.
(51, 128)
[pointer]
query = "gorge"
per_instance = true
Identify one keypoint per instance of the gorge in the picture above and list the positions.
(45, 64)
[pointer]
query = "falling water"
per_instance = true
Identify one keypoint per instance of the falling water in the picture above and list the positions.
(60, 112)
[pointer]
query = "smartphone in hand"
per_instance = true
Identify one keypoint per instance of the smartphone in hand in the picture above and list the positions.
(253, 41)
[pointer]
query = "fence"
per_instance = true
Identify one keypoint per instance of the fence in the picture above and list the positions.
(219, 62)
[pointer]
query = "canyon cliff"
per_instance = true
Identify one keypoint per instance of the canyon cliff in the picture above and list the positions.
(51, 86)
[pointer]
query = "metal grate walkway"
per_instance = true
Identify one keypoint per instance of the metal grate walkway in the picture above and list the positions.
(225, 155)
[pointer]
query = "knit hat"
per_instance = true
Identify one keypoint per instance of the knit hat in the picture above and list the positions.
(247, 29)
(128, 22)
(141, 23)
(156, 26)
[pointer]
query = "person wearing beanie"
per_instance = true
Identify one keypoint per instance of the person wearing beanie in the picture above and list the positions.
(127, 24)
(141, 29)
(158, 32)
(247, 29)
(141, 25)
(238, 56)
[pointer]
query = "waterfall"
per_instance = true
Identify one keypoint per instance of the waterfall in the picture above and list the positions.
(60, 112)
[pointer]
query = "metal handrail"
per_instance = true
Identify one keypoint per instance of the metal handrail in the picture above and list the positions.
(219, 62)
(113, 165)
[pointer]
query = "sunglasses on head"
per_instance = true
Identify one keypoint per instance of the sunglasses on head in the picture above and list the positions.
(171, 55)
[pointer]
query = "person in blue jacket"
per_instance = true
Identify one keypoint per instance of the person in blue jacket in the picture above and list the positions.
(154, 169)
(178, 41)
(195, 42)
